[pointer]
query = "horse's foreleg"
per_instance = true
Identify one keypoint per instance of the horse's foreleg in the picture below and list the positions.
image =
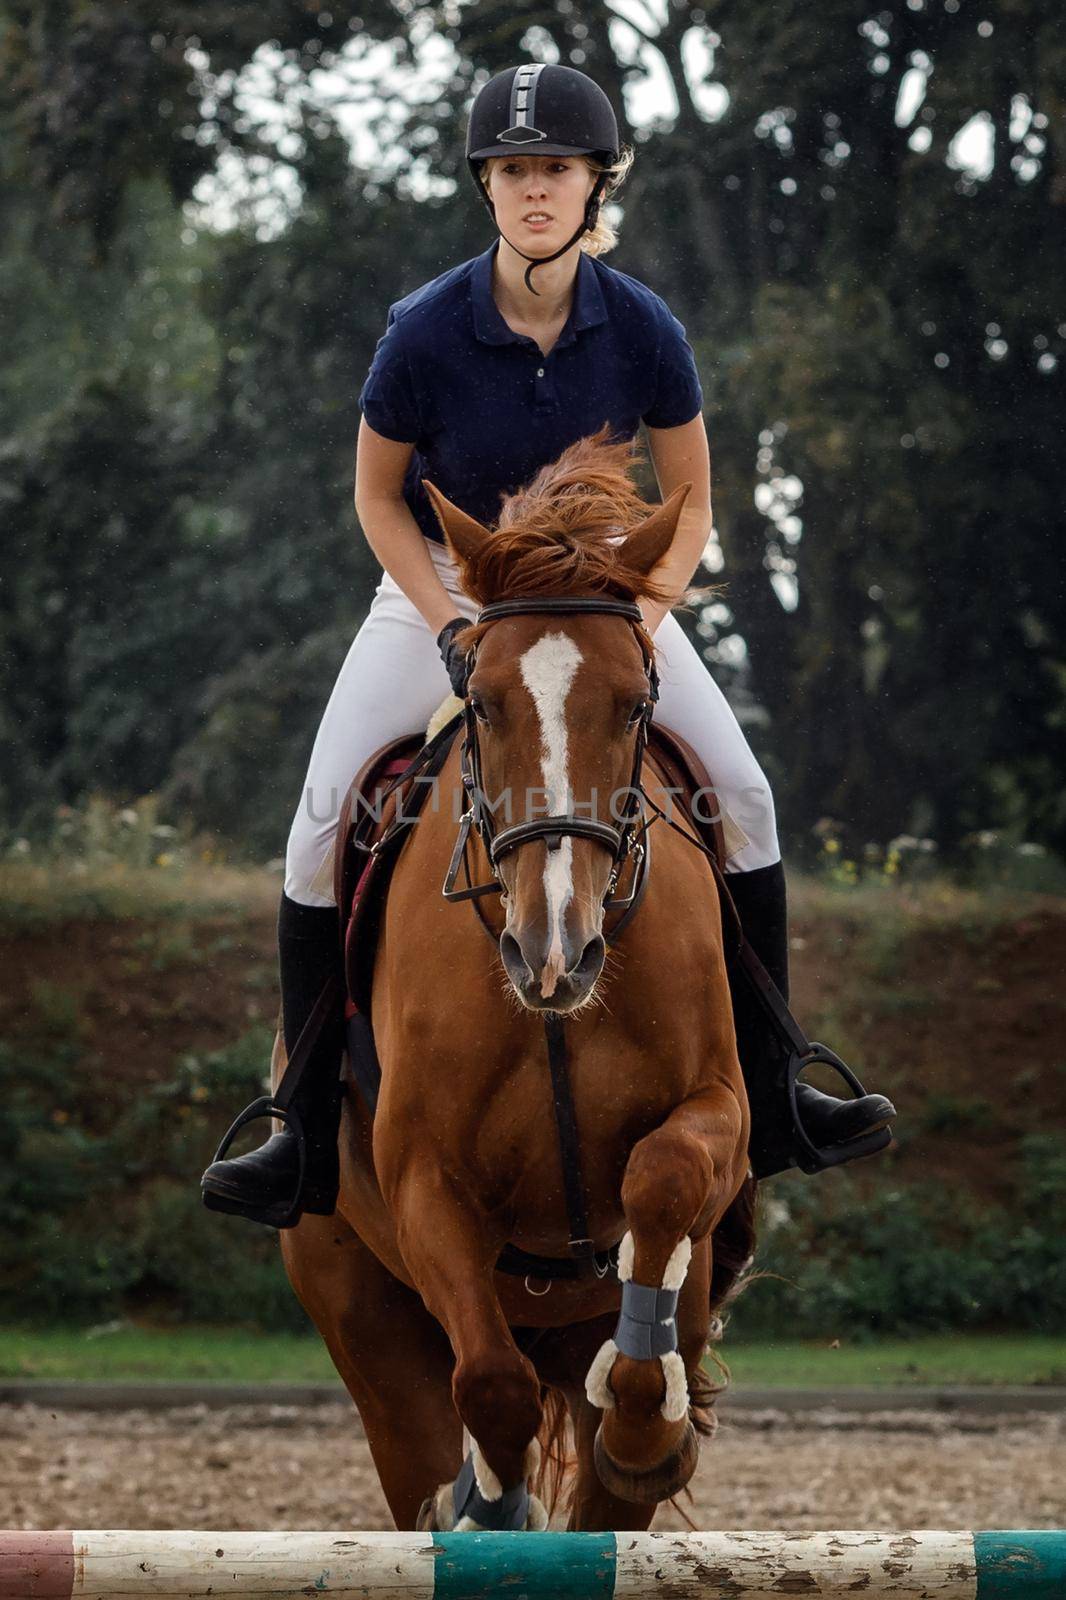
(593, 1507)
(678, 1182)
(391, 1354)
(450, 1253)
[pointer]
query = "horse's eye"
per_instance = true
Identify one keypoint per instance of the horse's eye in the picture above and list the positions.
(478, 709)
(637, 712)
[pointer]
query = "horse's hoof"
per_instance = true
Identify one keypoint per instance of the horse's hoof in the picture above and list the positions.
(424, 1522)
(648, 1486)
(434, 1515)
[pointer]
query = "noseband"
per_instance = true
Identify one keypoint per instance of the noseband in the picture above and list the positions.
(621, 840)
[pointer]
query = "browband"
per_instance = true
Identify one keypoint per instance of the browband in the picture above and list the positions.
(561, 603)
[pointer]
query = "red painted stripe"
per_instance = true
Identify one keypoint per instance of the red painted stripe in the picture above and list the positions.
(36, 1566)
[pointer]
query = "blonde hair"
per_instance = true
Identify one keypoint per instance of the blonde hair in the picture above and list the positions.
(603, 236)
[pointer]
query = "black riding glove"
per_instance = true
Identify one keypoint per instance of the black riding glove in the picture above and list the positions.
(453, 658)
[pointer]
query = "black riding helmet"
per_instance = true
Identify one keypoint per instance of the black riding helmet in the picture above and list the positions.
(541, 108)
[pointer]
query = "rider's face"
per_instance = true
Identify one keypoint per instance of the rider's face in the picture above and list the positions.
(557, 186)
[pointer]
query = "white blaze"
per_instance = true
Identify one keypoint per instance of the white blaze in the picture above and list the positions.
(548, 669)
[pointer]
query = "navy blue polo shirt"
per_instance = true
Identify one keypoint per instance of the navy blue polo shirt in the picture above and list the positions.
(486, 409)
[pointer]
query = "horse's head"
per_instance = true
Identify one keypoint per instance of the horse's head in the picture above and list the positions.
(559, 701)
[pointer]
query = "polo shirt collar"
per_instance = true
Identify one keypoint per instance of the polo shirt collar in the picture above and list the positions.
(587, 310)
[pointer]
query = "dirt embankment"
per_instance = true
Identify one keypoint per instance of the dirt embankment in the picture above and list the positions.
(953, 1006)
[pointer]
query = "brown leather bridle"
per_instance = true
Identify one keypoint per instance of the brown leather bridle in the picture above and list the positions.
(627, 838)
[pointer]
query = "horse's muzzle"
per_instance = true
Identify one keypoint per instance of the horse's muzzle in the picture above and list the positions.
(542, 981)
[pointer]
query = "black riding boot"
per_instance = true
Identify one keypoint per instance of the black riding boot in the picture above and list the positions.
(262, 1184)
(761, 901)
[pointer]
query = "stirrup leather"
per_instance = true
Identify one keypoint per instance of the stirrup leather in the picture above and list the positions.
(279, 1104)
(799, 1053)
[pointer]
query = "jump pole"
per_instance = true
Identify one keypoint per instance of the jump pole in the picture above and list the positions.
(921, 1565)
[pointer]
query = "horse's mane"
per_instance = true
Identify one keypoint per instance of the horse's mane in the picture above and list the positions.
(561, 533)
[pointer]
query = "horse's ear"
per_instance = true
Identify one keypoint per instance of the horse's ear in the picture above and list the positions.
(651, 539)
(465, 536)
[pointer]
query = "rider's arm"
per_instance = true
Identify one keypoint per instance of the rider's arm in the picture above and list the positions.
(390, 529)
(681, 455)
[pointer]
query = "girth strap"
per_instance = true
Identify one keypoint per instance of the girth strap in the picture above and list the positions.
(523, 1264)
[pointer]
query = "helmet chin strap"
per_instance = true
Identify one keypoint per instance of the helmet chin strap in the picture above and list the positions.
(592, 206)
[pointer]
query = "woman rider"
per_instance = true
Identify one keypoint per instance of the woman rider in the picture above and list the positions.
(479, 380)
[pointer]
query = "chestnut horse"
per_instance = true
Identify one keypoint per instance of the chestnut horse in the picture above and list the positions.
(463, 1156)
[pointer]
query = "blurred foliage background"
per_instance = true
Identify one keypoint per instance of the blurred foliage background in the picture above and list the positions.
(858, 214)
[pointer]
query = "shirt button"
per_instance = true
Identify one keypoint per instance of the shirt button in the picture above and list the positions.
(540, 372)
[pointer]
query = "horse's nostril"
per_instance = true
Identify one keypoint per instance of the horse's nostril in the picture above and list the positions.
(592, 958)
(513, 959)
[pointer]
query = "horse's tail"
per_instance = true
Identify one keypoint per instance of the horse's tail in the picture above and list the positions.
(558, 1461)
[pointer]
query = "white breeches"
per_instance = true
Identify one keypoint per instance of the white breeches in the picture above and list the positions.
(393, 680)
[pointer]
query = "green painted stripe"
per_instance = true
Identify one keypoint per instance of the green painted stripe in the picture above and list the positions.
(523, 1566)
(1029, 1563)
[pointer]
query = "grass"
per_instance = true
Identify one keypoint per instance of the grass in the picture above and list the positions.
(932, 1359)
(121, 1353)
(36, 895)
